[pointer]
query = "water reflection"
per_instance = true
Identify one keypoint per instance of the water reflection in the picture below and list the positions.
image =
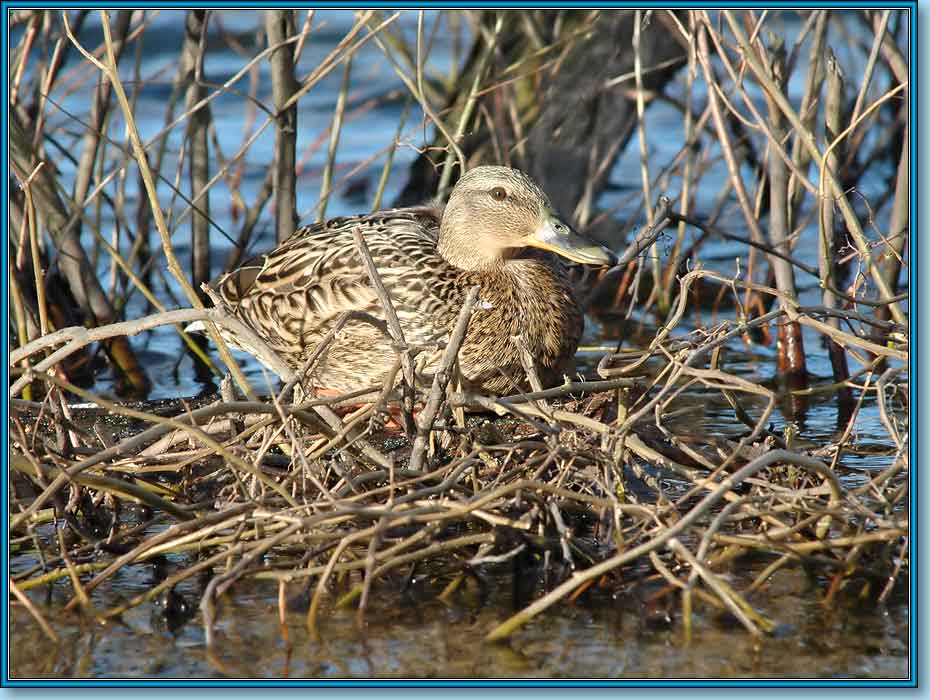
(602, 635)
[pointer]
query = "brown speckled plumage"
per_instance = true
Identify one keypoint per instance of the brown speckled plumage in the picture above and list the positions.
(428, 257)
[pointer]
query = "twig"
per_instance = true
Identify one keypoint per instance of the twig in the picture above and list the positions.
(441, 380)
(280, 25)
(397, 332)
(507, 627)
(26, 603)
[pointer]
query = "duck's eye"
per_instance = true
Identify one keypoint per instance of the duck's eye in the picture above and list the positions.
(499, 193)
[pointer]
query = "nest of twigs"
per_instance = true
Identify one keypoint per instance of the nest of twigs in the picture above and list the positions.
(588, 482)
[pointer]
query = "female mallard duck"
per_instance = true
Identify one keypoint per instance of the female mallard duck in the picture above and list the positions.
(428, 257)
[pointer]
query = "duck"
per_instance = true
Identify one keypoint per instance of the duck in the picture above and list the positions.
(497, 231)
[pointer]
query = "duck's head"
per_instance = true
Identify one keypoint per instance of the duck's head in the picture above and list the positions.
(495, 212)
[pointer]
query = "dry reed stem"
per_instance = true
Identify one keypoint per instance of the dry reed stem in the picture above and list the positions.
(506, 628)
(280, 25)
(110, 70)
(441, 380)
(34, 611)
(335, 130)
(830, 186)
(397, 333)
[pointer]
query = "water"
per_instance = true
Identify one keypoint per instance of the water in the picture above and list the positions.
(409, 634)
(413, 635)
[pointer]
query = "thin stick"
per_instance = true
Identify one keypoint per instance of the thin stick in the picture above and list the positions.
(112, 72)
(280, 25)
(394, 327)
(506, 628)
(830, 184)
(24, 599)
(441, 380)
(335, 130)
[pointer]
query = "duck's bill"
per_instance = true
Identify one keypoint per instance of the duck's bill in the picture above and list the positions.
(560, 239)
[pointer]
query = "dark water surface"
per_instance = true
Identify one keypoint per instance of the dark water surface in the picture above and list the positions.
(410, 634)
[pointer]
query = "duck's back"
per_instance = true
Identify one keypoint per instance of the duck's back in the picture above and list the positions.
(293, 295)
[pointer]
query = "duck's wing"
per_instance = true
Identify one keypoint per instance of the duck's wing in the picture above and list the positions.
(293, 292)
